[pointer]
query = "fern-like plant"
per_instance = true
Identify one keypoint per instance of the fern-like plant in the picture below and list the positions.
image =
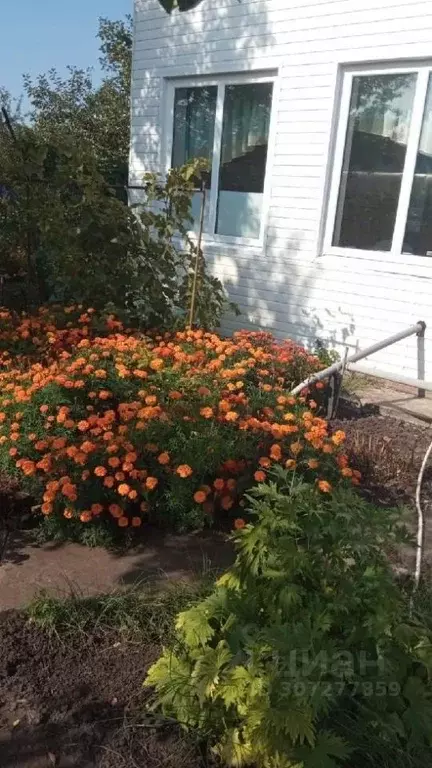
(302, 656)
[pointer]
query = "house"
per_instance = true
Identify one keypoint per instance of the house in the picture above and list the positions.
(316, 117)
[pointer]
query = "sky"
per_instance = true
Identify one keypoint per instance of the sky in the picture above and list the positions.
(36, 35)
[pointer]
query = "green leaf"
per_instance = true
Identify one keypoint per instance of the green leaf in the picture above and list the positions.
(327, 747)
(205, 676)
(194, 626)
(233, 751)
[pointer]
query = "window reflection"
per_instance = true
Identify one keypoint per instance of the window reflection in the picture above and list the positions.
(374, 157)
(418, 233)
(245, 130)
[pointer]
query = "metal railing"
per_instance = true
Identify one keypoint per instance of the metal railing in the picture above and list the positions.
(349, 362)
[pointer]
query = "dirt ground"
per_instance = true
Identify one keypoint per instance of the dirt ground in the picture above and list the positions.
(29, 567)
(80, 704)
(74, 705)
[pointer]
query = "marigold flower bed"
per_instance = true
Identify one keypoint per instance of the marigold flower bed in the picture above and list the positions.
(102, 423)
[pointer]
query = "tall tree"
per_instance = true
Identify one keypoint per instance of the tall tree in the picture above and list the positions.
(96, 117)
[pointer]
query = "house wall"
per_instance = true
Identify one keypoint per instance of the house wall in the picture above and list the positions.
(290, 285)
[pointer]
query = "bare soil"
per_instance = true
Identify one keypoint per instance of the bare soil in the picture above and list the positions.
(80, 703)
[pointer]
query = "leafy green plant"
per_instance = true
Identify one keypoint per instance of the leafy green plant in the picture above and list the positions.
(302, 655)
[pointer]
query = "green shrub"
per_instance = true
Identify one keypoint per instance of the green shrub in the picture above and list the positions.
(302, 656)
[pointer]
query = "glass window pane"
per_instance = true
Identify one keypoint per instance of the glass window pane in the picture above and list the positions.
(375, 148)
(194, 119)
(418, 233)
(245, 130)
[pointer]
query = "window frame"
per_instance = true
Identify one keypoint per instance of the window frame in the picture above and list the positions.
(221, 81)
(423, 70)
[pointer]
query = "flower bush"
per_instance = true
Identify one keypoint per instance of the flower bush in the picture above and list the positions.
(304, 655)
(105, 424)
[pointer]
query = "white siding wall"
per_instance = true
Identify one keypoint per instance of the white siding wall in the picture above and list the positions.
(290, 285)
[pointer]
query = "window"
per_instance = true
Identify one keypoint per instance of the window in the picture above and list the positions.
(381, 197)
(228, 123)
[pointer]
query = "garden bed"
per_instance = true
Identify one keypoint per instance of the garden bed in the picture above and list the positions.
(76, 700)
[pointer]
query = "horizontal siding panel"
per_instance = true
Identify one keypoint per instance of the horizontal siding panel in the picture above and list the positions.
(283, 34)
(301, 17)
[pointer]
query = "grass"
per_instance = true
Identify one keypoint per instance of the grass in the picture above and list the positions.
(141, 611)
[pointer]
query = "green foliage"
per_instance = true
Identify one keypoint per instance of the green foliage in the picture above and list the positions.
(142, 609)
(303, 656)
(76, 241)
(98, 118)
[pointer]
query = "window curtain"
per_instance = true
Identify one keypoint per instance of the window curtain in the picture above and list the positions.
(246, 119)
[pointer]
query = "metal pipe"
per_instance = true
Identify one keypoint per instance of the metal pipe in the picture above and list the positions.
(418, 328)
(377, 373)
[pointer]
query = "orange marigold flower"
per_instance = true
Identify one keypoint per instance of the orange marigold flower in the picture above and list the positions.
(264, 461)
(88, 447)
(123, 521)
(131, 457)
(85, 475)
(338, 437)
(136, 522)
(85, 516)
(96, 509)
(132, 495)
(276, 452)
(346, 472)
(203, 391)
(207, 413)
(184, 470)
(313, 463)
(123, 489)
(114, 461)
(59, 443)
(226, 502)
(200, 497)
(100, 471)
(174, 395)
(239, 523)
(231, 416)
(260, 476)
(291, 464)
(13, 451)
(68, 513)
(296, 448)
(43, 408)
(164, 458)
(119, 476)
(150, 400)
(324, 486)
(327, 448)
(151, 483)
(219, 484)
(115, 510)
(47, 508)
(108, 481)
(83, 425)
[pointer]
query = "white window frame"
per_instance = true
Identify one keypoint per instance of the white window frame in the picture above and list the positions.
(221, 81)
(423, 71)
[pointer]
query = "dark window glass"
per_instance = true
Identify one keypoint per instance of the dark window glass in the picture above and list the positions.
(374, 157)
(418, 232)
(245, 130)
